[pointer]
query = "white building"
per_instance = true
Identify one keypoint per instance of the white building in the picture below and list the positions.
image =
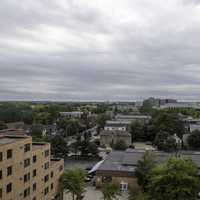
(115, 126)
(133, 118)
(192, 124)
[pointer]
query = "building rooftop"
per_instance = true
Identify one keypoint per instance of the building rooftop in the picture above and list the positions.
(7, 139)
(126, 161)
(55, 161)
(133, 117)
(39, 145)
(115, 132)
(14, 132)
(115, 123)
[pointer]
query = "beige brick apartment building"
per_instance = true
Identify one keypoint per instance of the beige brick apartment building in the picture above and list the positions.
(27, 171)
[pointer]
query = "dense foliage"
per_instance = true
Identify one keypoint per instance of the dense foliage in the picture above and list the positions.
(110, 191)
(144, 169)
(194, 139)
(177, 179)
(120, 145)
(72, 181)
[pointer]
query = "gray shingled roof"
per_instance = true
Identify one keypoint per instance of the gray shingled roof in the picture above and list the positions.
(126, 161)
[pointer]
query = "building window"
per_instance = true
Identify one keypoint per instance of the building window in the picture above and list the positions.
(51, 174)
(34, 159)
(0, 174)
(52, 186)
(34, 198)
(9, 153)
(1, 192)
(34, 172)
(27, 147)
(9, 170)
(9, 188)
(123, 186)
(26, 177)
(27, 192)
(1, 156)
(34, 186)
(46, 178)
(46, 190)
(46, 153)
(27, 162)
(46, 165)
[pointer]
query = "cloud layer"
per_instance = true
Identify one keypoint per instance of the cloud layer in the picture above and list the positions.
(99, 50)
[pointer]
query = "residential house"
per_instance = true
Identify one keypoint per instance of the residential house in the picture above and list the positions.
(119, 166)
(108, 138)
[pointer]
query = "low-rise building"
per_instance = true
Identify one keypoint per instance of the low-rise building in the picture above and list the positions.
(192, 124)
(112, 125)
(27, 171)
(119, 166)
(73, 114)
(108, 138)
(133, 118)
(192, 105)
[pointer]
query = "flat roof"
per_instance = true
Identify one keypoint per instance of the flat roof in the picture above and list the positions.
(39, 145)
(11, 139)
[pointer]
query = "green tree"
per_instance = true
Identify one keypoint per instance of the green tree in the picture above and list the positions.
(70, 127)
(72, 181)
(28, 117)
(136, 194)
(165, 142)
(137, 131)
(110, 191)
(59, 146)
(101, 120)
(194, 139)
(36, 130)
(3, 125)
(144, 169)
(120, 145)
(168, 122)
(177, 179)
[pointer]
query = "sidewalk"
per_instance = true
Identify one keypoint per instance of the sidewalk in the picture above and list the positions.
(93, 194)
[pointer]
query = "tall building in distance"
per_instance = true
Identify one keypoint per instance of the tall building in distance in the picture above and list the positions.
(27, 171)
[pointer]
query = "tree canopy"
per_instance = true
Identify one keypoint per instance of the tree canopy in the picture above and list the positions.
(3, 125)
(72, 181)
(177, 179)
(137, 131)
(165, 142)
(168, 122)
(194, 139)
(110, 191)
(144, 168)
(120, 145)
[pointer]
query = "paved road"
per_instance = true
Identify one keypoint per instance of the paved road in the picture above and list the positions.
(93, 194)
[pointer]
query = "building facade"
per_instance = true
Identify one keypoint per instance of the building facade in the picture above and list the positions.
(109, 138)
(144, 119)
(27, 171)
(119, 166)
(115, 126)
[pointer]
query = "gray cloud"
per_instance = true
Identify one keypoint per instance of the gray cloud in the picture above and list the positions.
(99, 50)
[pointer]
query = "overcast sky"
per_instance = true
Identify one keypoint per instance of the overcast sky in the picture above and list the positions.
(99, 49)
